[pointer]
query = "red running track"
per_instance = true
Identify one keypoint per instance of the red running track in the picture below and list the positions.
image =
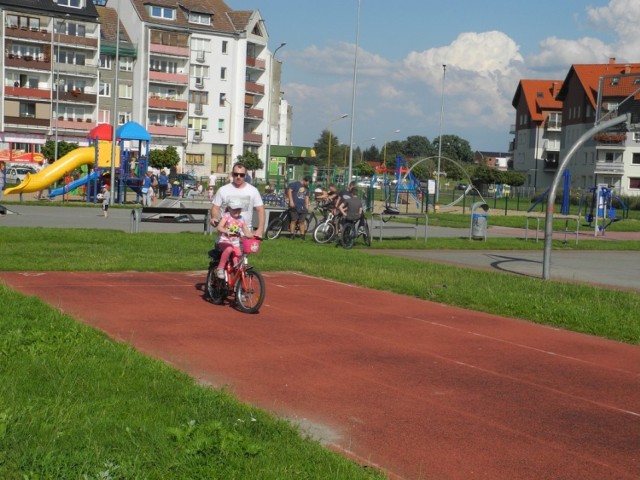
(420, 389)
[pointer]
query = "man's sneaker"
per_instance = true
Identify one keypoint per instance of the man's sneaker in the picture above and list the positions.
(220, 273)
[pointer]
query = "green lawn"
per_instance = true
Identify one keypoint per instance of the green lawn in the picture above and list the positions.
(75, 404)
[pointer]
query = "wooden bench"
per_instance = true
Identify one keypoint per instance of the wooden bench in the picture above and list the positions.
(171, 215)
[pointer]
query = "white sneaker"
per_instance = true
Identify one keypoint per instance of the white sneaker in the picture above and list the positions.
(220, 273)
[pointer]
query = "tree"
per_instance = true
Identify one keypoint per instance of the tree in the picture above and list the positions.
(49, 149)
(364, 169)
(166, 158)
(322, 148)
(251, 161)
(455, 147)
(417, 146)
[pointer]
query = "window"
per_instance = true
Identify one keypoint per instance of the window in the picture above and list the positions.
(165, 13)
(199, 18)
(223, 98)
(221, 125)
(166, 66)
(124, 117)
(104, 90)
(126, 64)
(200, 71)
(225, 45)
(165, 119)
(104, 116)
(223, 73)
(199, 97)
(125, 90)
(71, 58)
(71, 3)
(105, 62)
(636, 159)
(634, 183)
(200, 44)
(27, 109)
(24, 23)
(198, 123)
(615, 80)
(194, 159)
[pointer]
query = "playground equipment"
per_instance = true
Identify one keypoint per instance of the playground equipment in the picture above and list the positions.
(403, 185)
(601, 212)
(129, 171)
(566, 182)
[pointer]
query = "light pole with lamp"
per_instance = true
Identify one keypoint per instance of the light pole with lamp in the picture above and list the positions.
(353, 97)
(344, 115)
(225, 100)
(268, 151)
(57, 82)
(444, 73)
(362, 150)
(384, 155)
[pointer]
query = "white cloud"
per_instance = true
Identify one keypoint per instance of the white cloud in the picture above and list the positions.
(559, 54)
(620, 17)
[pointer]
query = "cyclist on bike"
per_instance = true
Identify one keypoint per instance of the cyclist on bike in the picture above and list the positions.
(298, 195)
(231, 226)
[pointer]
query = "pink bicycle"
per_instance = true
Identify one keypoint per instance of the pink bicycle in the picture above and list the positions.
(242, 282)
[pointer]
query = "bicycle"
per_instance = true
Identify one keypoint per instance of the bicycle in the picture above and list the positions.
(241, 280)
(329, 228)
(275, 227)
(353, 229)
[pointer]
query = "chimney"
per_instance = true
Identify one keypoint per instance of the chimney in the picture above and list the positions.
(627, 69)
(612, 60)
(554, 89)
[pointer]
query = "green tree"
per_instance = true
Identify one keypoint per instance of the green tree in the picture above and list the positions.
(455, 147)
(322, 149)
(49, 149)
(251, 161)
(364, 169)
(166, 158)
(417, 146)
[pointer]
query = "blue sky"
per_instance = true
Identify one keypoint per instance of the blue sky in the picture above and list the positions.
(488, 46)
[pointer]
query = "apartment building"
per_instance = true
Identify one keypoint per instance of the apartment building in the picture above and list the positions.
(49, 68)
(196, 74)
(552, 115)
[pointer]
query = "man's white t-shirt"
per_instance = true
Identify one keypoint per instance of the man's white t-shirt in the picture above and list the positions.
(248, 196)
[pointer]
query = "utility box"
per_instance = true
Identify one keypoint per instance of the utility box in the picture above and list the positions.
(479, 221)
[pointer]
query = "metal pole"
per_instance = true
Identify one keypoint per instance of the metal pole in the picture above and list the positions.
(115, 116)
(57, 80)
(551, 199)
(444, 73)
(268, 152)
(353, 96)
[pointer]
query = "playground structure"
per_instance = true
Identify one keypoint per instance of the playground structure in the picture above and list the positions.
(399, 183)
(601, 211)
(98, 155)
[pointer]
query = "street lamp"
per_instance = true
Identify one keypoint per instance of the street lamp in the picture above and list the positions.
(57, 82)
(344, 115)
(384, 155)
(353, 97)
(225, 100)
(362, 150)
(444, 73)
(268, 152)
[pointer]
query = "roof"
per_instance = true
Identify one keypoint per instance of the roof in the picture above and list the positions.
(291, 151)
(49, 7)
(108, 29)
(540, 96)
(224, 19)
(588, 75)
(132, 131)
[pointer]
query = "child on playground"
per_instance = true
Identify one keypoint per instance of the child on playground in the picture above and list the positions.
(106, 196)
(231, 225)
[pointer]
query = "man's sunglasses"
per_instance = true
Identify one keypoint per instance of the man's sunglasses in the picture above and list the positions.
(238, 174)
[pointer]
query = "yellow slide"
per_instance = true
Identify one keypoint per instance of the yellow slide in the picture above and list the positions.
(54, 172)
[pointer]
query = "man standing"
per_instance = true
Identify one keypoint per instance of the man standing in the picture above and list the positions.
(240, 190)
(298, 194)
(163, 184)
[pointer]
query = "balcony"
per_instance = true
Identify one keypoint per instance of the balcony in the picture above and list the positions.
(252, 138)
(28, 93)
(40, 35)
(76, 124)
(167, 130)
(168, 103)
(76, 96)
(169, 50)
(551, 145)
(254, 88)
(553, 125)
(604, 167)
(610, 139)
(40, 62)
(27, 121)
(171, 78)
(86, 70)
(254, 113)
(256, 63)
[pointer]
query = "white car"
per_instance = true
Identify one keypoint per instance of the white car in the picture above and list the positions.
(18, 174)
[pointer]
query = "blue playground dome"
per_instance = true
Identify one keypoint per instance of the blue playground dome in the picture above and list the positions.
(133, 131)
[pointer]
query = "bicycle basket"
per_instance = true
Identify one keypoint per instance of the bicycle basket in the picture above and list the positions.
(250, 245)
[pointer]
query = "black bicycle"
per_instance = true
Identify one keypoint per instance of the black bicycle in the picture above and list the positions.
(352, 229)
(277, 225)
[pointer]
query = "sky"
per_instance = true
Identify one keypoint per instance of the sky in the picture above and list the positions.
(487, 46)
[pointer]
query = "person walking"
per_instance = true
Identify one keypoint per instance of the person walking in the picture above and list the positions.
(240, 190)
(106, 196)
(163, 185)
(147, 191)
(298, 195)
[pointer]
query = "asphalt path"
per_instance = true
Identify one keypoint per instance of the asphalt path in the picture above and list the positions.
(613, 269)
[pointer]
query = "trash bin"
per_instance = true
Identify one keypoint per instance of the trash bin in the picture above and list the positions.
(479, 221)
(176, 189)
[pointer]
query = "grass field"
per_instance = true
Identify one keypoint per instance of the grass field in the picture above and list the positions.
(74, 404)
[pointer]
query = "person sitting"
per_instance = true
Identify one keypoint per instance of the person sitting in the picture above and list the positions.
(195, 191)
(231, 226)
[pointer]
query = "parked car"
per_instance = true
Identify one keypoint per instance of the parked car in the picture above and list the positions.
(18, 174)
(186, 181)
(462, 186)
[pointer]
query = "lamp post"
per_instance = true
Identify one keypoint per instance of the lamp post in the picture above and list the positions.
(353, 95)
(362, 151)
(344, 115)
(384, 155)
(444, 73)
(57, 82)
(225, 100)
(268, 152)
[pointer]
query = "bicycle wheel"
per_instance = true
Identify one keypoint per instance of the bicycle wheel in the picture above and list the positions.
(250, 291)
(216, 288)
(311, 222)
(366, 234)
(274, 229)
(349, 233)
(324, 232)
